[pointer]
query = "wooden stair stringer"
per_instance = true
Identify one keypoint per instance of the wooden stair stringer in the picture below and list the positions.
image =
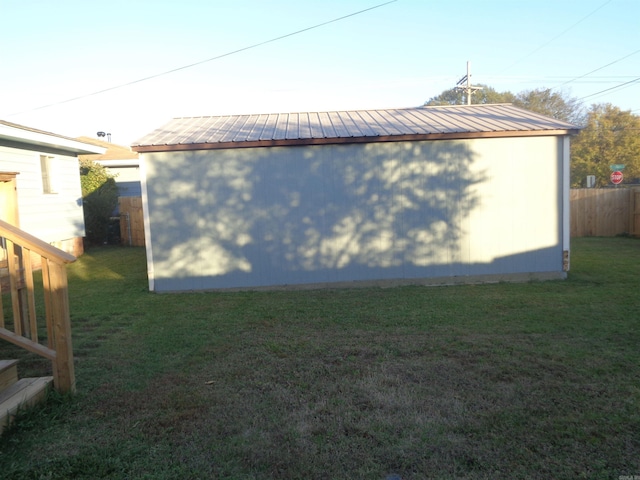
(24, 393)
(8, 373)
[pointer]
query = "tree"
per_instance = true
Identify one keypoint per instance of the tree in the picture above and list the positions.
(455, 96)
(99, 199)
(611, 136)
(558, 105)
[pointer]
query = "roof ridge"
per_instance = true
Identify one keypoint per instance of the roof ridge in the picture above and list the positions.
(305, 112)
(472, 105)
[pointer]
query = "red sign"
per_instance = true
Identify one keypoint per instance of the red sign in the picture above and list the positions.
(616, 177)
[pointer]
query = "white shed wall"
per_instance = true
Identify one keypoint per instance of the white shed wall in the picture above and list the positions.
(250, 217)
(50, 217)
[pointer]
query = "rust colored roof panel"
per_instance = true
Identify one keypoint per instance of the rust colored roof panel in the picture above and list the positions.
(344, 126)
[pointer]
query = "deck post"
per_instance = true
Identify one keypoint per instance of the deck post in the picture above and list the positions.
(63, 369)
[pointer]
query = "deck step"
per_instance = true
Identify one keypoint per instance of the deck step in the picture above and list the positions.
(8, 373)
(23, 393)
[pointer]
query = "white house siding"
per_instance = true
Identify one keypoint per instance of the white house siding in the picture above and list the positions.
(52, 217)
(127, 180)
(251, 217)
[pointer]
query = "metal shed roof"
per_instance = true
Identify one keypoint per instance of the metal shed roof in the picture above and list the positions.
(358, 126)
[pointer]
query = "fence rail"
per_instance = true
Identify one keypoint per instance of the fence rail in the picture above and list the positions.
(16, 279)
(605, 212)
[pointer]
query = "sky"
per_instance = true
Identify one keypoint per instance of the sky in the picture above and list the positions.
(126, 67)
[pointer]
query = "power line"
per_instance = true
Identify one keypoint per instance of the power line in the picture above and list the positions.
(598, 69)
(524, 79)
(558, 36)
(218, 57)
(612, 88)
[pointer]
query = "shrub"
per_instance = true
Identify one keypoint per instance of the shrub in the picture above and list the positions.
(99, 199)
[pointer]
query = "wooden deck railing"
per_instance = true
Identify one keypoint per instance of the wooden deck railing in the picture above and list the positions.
(18, 250)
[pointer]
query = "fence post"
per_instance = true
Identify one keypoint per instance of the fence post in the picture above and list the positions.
(634, 211)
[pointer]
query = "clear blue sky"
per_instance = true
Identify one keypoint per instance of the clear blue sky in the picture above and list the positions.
(397, 55)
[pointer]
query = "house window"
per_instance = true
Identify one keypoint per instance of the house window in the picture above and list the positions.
(48, 169)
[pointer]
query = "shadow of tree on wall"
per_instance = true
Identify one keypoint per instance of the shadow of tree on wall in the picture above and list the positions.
(282, 215)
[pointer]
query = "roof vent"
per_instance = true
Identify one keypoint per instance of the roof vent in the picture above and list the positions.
(102, 135)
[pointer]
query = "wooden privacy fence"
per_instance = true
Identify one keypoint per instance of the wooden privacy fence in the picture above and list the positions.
(605, 212)
(22, 328)
(131, 221)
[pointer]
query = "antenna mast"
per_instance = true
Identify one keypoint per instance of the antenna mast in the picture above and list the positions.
(464, 84)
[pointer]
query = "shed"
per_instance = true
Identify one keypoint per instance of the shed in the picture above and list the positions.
(398, 196)
(40, 184)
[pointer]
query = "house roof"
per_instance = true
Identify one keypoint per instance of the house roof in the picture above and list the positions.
(421, 123)
(113, 153)
(19, 136)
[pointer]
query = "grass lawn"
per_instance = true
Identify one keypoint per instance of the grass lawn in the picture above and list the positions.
(537, 380)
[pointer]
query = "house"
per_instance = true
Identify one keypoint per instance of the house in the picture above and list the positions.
(475, 193)
(40, 184)
(121, 162)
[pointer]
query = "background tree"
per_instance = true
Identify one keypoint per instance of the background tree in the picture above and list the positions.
(99, 199)
(454, 96)
(558, 105)
(611, 136)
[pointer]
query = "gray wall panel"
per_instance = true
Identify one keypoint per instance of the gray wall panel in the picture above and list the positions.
(252, 217)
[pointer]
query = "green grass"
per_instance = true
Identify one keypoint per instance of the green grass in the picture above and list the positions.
(537, 380)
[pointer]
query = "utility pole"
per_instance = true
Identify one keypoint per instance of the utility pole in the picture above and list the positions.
(464, 84)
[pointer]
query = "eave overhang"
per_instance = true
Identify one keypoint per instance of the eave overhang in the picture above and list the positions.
(17, 136)
(350, 140)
